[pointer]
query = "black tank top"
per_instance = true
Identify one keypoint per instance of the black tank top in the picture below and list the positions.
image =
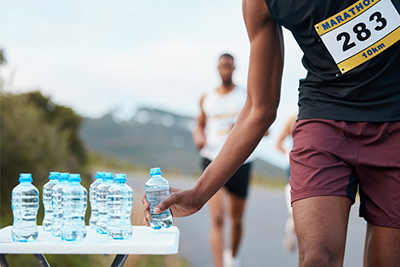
(368, 92)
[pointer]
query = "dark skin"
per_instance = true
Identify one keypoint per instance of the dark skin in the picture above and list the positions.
(320, 222)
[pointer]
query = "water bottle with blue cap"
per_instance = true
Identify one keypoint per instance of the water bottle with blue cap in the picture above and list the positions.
(157, 190)
(56, 203)
(101, 199)
(74, 204)
(94, 216)
(119, 208)
(25, 205)
(47, 195)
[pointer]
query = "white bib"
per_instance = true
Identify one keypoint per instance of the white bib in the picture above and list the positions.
(360, 32)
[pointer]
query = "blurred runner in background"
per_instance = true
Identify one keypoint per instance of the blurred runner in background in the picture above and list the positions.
(219, 109)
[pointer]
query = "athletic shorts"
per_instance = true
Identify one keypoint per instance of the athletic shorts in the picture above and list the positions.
(238, 184)
(333, 158)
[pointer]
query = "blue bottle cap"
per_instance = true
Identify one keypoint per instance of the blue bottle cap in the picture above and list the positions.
(54, 175)
(64, 176)
(100, 175)
(74, 177)
(25, 177)
(155, 171)
(120, 177)
(108, 176)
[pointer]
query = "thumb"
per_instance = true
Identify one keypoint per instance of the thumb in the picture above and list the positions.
(163, 206)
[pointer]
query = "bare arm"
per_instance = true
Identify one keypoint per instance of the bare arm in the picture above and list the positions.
(198, 135)
(287, 131)
(257, 115)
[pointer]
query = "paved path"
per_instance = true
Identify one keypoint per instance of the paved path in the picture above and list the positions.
(264, 226)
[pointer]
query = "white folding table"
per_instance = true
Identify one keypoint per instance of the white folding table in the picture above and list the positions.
(145, 241)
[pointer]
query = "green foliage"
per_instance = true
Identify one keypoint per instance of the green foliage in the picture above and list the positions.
(2, 57)
(37, 140)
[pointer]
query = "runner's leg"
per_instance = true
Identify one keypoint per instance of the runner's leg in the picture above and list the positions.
(237, 206)
(216, 206)
(321, 227)
(382, 247)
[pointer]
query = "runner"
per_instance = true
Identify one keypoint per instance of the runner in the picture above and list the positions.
(219, 110)
(289, 238)
(348, 128)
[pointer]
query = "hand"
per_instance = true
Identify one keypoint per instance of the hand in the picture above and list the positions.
(199, 140)
(182, 203)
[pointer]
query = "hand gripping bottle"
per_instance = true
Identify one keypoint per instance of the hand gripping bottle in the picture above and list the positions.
(157, 190)
(119, 208)
(101, 199)
(94, 216)
(47, 195)
(56, 203)
(74, 204)
(25, 205)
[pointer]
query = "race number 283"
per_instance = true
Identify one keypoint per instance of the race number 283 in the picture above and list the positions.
(360, 32)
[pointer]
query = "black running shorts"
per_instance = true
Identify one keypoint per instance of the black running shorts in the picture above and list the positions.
(238, 184)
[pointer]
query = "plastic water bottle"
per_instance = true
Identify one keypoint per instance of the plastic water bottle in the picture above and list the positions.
(94, 216)
(47, 195)
(101, 198)
(56, 203)
(157, 190)
(74, 204)
(25, 205)
(119, 206)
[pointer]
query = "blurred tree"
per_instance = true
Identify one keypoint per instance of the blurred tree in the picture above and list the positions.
(37, 140)
(66, 119)
(2, 58)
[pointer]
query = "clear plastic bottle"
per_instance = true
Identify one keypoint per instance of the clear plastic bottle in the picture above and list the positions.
(47, 195)
(157, 190)
(56, 203)
(119, 206)
(74, 204)
(101, 198)
(94, 216)
(25, 205)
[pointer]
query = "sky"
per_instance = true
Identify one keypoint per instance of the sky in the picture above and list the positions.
(101, 56)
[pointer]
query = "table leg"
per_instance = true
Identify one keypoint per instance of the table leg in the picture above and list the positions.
(119, 261)
(3, 261)
(41, 260)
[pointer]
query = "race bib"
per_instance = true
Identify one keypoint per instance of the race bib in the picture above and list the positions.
(360, 32)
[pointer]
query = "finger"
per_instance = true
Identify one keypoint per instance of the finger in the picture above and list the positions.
(173, 199)
(144, 200)
(147, 215)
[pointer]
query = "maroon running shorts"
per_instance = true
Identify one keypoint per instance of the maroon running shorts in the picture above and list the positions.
(333, 158)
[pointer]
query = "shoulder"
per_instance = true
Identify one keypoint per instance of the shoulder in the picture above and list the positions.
(206, 96)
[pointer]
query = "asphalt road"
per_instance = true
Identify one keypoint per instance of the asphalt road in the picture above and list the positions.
(264, 227)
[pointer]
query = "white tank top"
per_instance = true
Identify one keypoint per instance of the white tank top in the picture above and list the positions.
(222, 111)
